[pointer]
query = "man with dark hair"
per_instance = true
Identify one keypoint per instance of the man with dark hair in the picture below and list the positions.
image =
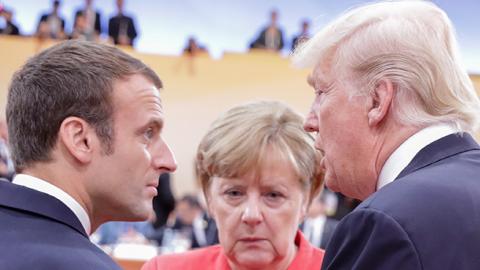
(85, 123)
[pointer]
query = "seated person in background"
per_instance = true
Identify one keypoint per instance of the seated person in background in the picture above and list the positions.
(192, 222)
(271, 37)
(112, 233)
(259, 174)
(318, 227)
(51, 25)
(10, 27)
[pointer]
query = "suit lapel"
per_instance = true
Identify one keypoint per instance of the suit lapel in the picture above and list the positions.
(29, 200)
(440, 149)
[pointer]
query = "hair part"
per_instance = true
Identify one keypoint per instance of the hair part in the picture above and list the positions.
(410, 43)
(73, 78)
(238, 140)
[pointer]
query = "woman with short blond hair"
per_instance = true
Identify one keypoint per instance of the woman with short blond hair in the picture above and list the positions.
(258, 170)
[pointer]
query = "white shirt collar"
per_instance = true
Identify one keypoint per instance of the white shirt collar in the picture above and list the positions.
(404, 154)
(45, 187)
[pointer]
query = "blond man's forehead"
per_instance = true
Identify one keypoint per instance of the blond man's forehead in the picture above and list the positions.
(320, 76)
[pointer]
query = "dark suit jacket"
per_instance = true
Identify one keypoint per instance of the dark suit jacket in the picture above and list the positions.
(164, 202)
(97, 25)
(37, 231)
(114, 28)
(261, 41)
(328, 229)
(428, 218)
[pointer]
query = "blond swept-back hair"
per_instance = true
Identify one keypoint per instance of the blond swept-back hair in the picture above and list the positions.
(236, 144)
(411, 43)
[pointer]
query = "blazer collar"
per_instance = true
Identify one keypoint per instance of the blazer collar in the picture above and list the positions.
(447, 146)
(29, 200)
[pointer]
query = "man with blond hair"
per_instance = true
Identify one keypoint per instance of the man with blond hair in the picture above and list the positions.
(393, 112)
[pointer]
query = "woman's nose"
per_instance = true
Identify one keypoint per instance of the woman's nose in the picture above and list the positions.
(252, 214)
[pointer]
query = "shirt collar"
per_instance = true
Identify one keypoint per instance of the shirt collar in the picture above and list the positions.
(45, 187)
(404, 154)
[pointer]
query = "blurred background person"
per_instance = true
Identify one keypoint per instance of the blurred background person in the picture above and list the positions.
(164, 202)
(192, 47)
(112, 233)
(52, 24)
(121, 27)
(191, 50)
(303, 36)
(10, 27)
(271, 37)
(259, 172)
(191, 221)
(318, 228)
(93, 22)
(81, 31)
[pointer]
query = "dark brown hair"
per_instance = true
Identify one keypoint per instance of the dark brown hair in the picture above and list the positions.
(73, 78)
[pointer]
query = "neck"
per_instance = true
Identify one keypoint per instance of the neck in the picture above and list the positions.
(389, 142)
(59, 176)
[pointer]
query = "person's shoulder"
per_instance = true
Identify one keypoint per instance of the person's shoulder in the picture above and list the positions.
(194, 259)
(404, 197)
(440, 186)
(86, 261)
(425, 188)
(55, 255)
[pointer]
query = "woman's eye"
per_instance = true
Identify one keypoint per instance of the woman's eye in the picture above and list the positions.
(233, 193)
(274, 196)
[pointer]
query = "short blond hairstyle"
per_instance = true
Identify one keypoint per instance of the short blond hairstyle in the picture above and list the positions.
(411, 43)
(236, 143)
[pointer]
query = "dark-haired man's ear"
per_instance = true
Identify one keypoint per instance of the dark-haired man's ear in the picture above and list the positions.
(77, 137)
(380, 102)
